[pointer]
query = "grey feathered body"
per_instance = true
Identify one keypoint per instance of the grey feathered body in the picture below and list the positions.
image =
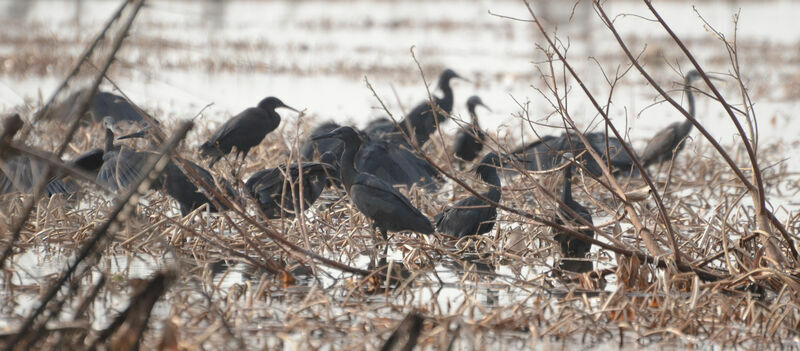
(470, 216)
(388, 208)
(469, 143)
(278, 196)
(473, 215)
(121, 167)
(376, 199)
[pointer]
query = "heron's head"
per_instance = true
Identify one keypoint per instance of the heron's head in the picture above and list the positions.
(108, 122)
(346, 134)
(474, 101)
(568, 157)
(447, 75)
(694, 75)
(569, 160)
(691, 76)
(271, 103)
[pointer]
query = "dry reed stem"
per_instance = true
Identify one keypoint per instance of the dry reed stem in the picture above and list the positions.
(83, 107)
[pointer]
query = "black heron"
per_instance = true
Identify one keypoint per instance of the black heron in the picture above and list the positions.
(121, 165)
(469, 140)
(474, 216)
(19, 173)
(539, 155)
(245, 130)
(421, 117)
(545, 153)
(89, 161)
(178, 186)
(313, 148)
(380, 127)
(395, 164)
(670, 140)
(573, 249)
(376, 199)
(392, 162)
(610, 149)
(189, 197)
(279, 195)
(103, 104)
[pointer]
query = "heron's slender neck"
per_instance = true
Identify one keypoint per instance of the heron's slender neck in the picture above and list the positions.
(276, 115)
(566, 194)
(489, 176)
(347, 165)
(690, 97)
(473, 116)
(686, 126)
(109, 140)
(446, 102)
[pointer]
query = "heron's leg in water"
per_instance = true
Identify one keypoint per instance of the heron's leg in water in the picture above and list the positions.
(385, 243)
(238, 166)
(232, 164)
(382, 259)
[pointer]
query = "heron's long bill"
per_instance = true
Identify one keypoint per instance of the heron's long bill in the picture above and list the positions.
(139, 134)
(325, 136)
(289, 107)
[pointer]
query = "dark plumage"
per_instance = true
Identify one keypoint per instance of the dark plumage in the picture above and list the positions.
(670, 140)
(469, 140)
(377, 200)
(20, 173)
(572, 247)
(103, 105)
(615, 153)
(108, 104)
(311, 147)
(121, 165)
(621, 163)
(395, 164)
(421, 118)
(189, 197)
(245, 130)
(473, 216)
(178, 186)
(280, 197)
(546, 153)
(89, 161)
(539, 155)
(390, 161)
(381, 126)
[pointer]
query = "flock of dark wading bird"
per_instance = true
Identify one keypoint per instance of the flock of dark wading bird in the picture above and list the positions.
(367, 164)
